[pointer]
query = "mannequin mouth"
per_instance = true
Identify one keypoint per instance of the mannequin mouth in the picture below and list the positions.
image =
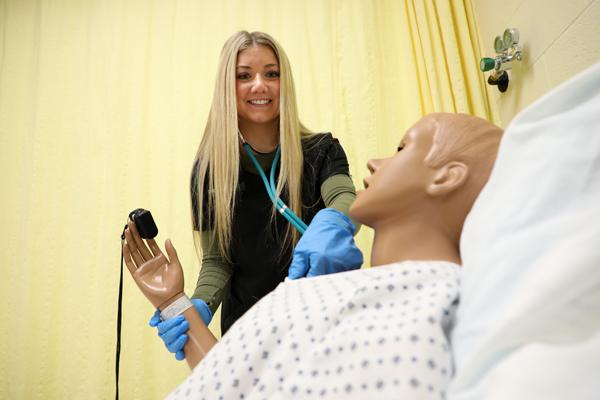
(365, 183)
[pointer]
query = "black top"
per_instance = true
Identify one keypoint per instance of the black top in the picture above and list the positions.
(259, 260)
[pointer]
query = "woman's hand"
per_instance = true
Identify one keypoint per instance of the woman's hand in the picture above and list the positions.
(160, 279)
(326, 247)
(173, 331)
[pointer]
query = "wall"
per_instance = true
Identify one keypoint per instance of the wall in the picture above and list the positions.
(559, 38)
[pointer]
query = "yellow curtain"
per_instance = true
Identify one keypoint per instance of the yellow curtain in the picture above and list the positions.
(102, 104)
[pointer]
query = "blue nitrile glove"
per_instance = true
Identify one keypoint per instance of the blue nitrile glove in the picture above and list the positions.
(327, 246)
(172, 331)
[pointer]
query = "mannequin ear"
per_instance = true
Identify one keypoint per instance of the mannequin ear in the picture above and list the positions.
(448, 178)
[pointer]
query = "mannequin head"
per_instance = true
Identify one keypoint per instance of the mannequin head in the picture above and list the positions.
(426, 189)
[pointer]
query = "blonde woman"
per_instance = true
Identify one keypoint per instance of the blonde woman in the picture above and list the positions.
(247, 245)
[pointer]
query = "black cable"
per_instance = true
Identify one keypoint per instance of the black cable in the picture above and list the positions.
(119, 309)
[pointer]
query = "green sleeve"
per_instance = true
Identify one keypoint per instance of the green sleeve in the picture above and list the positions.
(338, 192)
(214, 273)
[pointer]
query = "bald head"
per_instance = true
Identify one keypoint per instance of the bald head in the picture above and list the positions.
(467, 139)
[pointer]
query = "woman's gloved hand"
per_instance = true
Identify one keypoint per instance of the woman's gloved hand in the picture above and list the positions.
(327, 246)
(172, 331)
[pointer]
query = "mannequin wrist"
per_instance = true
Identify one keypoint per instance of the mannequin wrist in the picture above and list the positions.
(175, 308)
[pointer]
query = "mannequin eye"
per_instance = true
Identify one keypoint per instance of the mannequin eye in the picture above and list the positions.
(400, 147)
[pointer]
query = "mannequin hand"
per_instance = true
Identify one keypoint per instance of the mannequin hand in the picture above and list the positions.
(327, 246)
(159, 278)
(172, 331)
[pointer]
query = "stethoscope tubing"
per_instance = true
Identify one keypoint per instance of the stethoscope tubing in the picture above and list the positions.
(272, 182)
(270, 187)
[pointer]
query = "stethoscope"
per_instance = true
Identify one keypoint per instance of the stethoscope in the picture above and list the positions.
(270, 186)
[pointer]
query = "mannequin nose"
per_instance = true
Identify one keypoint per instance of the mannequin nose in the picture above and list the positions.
(373, 164)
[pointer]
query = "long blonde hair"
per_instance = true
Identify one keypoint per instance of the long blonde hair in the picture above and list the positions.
(218, 156)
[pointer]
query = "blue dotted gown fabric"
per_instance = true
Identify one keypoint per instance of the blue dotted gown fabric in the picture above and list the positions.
(376, 333)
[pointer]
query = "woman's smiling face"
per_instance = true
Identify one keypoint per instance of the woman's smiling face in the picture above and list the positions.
(257, 85)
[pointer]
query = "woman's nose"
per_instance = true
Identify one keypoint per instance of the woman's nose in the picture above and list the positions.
(258, 85)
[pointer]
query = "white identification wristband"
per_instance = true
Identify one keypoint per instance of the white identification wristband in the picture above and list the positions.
(175, 308)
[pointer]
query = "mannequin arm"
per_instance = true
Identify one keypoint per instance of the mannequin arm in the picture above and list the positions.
(161, 280)
(200, 339)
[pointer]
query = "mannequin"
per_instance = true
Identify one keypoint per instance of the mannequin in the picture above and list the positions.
(372, 332)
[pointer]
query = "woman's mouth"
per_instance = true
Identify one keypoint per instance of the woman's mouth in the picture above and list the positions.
(259, 102)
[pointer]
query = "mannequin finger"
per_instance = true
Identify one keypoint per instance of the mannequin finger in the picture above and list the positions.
(138, 241)
(154, 247)
(133, 249)
(127, 258)
(171, 252)
(179, 355)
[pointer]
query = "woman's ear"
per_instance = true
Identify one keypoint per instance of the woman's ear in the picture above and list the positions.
(448, 178)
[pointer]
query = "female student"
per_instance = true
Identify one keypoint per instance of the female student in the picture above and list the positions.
(269, 198)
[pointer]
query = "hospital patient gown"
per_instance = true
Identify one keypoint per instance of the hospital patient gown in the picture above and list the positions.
(377, 333)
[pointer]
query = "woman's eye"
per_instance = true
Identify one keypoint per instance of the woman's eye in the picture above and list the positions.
(243, 76)
(273, 74)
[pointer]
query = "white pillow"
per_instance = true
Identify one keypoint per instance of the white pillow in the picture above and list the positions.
(531, 250)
